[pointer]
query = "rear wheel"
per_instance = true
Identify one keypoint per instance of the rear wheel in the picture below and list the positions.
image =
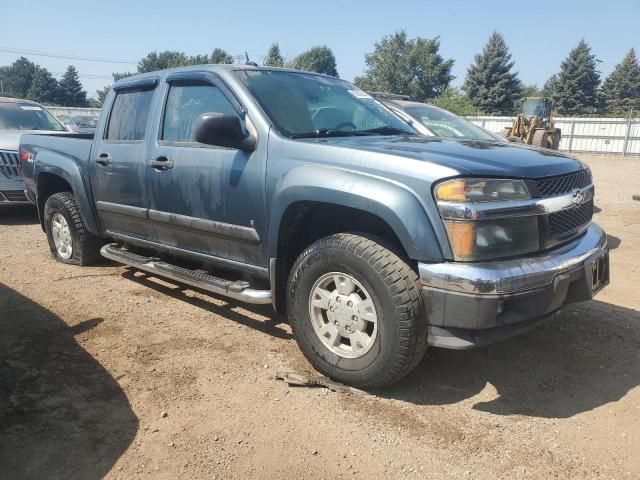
(356, 311)
(69, 239)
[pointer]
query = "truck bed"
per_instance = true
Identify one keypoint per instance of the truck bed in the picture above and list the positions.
(51, 150)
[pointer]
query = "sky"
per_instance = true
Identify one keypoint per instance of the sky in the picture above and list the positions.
(539, 36)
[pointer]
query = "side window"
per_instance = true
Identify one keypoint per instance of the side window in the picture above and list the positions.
(129, 114)
(185, 103)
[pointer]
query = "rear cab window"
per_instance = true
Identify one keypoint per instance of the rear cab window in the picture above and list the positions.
(129, 114)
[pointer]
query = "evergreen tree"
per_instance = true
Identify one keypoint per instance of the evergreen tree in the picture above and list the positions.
(490, 84)
(220, 56)
(71, 93)
(44, 88)
(621, 89)
(274, 58)
(317, 59)
(407, 67)
(550, 86)
(577, 88)
(102, 94)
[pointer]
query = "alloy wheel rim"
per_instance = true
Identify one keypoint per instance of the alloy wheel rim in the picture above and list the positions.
(343, 315)
(61, 236)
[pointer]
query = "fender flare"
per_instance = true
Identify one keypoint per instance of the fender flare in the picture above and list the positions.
(393, 203)
(67, 169)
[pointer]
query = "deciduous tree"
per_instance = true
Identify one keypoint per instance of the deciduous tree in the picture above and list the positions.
(455, 101)
(220, 56)
(407, 67)
(44, 88)
(18, 77)
(317, 59)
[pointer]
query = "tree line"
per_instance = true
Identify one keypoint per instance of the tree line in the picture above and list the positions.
(397, 64)
(25, 79)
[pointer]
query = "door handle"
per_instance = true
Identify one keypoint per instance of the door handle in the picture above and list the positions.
(162, 164)
(103, 159)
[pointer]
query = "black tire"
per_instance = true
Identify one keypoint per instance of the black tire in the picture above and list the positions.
(540, 138)
(85, 248)
(557, 136)
(401, 341)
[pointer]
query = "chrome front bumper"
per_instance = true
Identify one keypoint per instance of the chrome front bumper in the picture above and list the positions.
(507, 295)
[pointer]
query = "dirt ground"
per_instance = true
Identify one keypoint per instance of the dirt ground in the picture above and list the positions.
(108, 372)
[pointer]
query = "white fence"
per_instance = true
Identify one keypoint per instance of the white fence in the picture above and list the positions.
(592, 135)
(74, 111)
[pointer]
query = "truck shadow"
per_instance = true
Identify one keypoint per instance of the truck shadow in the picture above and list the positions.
(584, 359)
(271, 324)
(18, 215)
(62, 415)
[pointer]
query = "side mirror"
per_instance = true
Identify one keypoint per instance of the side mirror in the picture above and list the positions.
(223, 131)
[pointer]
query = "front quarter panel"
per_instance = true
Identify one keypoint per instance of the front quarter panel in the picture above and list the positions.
(394, 204)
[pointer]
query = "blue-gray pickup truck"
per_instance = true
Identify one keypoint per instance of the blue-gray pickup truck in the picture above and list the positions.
(300, 190)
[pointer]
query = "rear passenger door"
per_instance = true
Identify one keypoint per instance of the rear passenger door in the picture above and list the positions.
(205, 201)
(118, 168)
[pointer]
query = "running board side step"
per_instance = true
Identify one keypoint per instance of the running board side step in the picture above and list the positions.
(238, 290)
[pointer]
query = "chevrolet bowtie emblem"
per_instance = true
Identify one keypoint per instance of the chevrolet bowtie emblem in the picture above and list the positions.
(578, 196)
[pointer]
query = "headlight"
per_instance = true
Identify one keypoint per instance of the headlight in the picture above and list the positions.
(486, 239)
(473, 240)
(474, 190)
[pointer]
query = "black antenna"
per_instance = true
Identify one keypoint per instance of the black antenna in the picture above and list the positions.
(249, 62)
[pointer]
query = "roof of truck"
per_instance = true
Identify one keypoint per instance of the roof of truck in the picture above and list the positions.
(213, 67)
(15, 100)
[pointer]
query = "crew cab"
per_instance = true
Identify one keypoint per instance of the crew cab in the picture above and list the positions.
(300, 190)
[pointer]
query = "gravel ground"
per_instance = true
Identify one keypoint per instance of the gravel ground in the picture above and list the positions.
(105, 371)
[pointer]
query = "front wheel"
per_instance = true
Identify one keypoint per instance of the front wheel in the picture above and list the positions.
(356, 311)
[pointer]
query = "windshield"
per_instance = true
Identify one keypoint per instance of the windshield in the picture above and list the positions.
(27, 116)
(85, 121)
(445, 124)
(306, 105)
(534, 107)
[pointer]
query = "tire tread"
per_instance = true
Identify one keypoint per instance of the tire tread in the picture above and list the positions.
(403, 283)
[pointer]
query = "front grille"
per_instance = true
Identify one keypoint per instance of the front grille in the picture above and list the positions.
(9, 164)
(568, 221)
(552, 186)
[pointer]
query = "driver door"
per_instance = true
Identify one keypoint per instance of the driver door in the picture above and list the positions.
(205, 201)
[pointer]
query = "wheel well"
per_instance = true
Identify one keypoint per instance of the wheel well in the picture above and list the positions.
(48, 184)
(305, 222)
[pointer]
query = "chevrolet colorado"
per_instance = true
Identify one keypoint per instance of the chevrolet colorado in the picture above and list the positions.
(297, 189)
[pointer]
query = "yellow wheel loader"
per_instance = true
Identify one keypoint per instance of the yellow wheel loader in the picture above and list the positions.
(534, 125)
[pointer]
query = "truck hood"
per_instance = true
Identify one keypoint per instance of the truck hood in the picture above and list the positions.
(469, 157)
(10, 139)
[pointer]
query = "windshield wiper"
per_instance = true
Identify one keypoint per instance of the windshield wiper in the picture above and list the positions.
(387, 130)
(330, 132)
